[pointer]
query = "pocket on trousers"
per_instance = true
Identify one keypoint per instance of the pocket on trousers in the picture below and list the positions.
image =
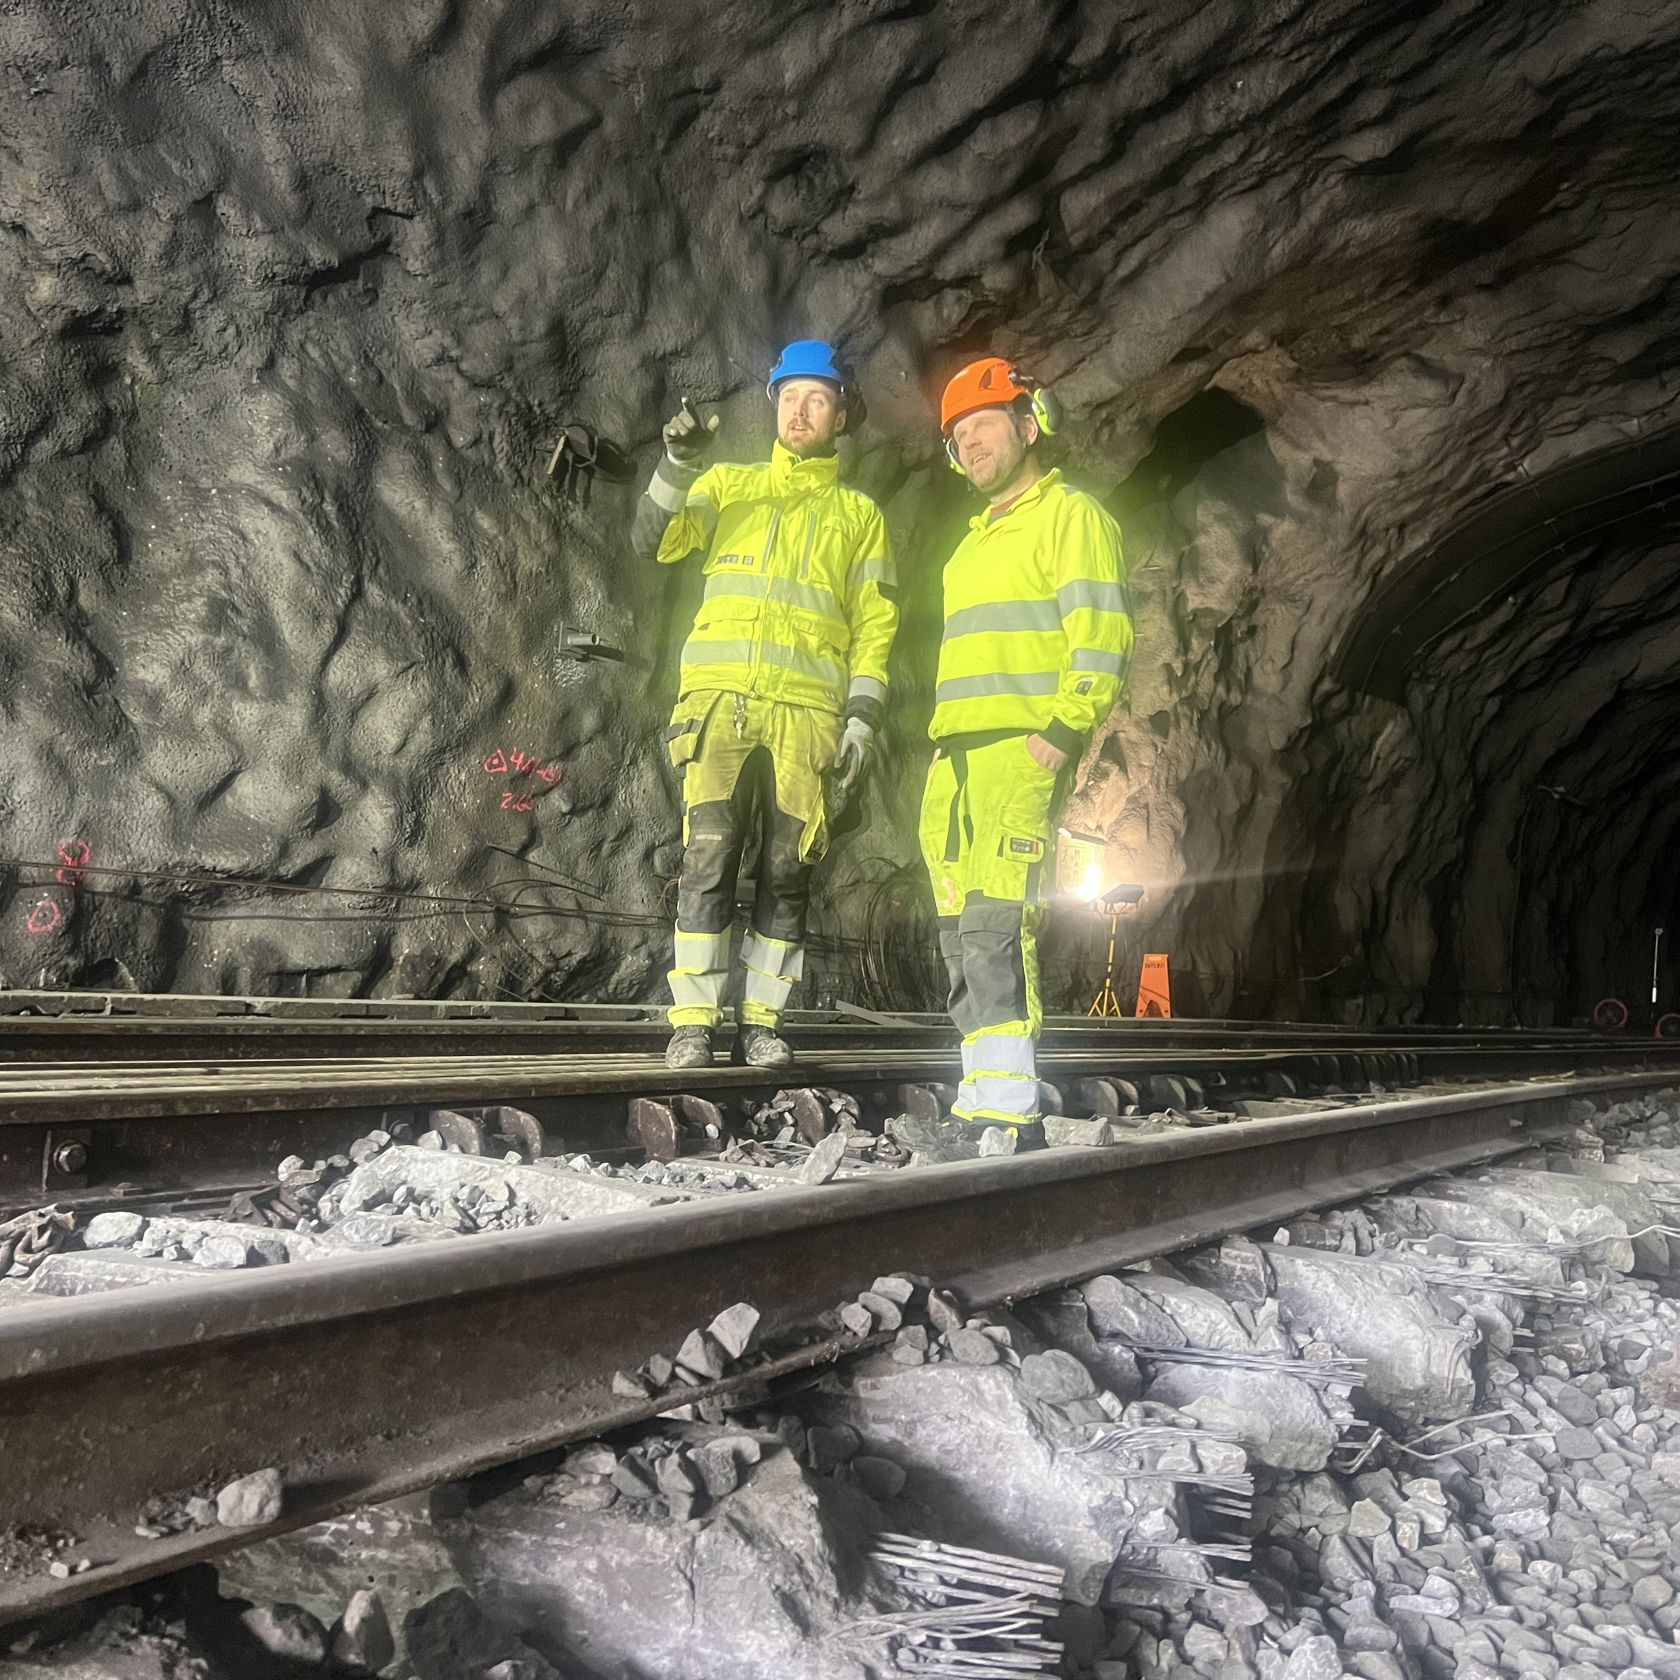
(687, 732)
(1032, 767)
(939, 795)
(1024, 810)
(1015, 871)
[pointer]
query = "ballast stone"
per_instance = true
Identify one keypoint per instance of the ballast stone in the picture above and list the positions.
(252, 1500)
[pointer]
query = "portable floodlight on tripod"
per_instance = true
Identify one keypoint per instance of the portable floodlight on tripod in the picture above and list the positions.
(1115, 901)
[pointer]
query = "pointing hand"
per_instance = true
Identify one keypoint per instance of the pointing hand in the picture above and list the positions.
(687, 436)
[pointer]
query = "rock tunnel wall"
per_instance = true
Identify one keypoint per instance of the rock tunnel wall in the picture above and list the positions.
(296, 302)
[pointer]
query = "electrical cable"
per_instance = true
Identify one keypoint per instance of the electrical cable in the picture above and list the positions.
(446, 902)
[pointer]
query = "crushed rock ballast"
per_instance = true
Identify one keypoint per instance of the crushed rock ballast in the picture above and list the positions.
(1433, 1436)
(459, 1176)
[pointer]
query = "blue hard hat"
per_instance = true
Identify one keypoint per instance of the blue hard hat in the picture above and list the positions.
(808, 358)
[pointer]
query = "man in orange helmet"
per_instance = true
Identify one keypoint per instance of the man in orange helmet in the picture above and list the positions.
(1037, 639)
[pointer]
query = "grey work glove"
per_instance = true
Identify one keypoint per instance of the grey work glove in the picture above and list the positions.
(688, 438)
(853, 753)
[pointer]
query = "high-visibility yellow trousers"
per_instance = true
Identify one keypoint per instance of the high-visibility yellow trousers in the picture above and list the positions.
(749, 767)
(988, 839)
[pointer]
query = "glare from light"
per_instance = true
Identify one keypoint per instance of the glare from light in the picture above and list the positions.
(1082, 866)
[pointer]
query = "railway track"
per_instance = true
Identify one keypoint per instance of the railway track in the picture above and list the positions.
(60, 1026)
(370, 1376)
(107, 1096)
(367, 1376)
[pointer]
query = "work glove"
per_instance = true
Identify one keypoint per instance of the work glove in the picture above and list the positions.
(856, 745)
(688, 438)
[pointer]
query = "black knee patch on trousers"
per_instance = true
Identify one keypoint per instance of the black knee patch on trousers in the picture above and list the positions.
(784, 879)
(711, 863)
(994, 969)
(951, 949)
(711, 867)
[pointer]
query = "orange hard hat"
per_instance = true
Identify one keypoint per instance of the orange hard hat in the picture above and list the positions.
(989, 383)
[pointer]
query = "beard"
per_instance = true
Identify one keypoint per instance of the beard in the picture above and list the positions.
(997, 472)
(809, 446)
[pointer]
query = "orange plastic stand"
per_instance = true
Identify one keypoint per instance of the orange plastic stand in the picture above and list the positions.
(1154, 987)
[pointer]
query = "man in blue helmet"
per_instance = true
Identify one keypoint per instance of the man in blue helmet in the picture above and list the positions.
(784, 677)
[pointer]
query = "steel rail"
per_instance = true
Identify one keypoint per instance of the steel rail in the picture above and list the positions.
(100, 1127)
(38, 1025)
(368, 1377)
(91, 1090)
(24, 1008)
(26, 1038)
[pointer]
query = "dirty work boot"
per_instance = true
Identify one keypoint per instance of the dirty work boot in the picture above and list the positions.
(1021, 1139)
(762, 1048)
(690, 1047)
(932, 1141)
(956, 1139)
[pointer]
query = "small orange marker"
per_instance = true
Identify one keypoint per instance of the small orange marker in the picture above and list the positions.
(1154, 987)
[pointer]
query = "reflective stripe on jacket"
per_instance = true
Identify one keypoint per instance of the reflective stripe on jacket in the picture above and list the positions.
(1037, 630)
(800, 585)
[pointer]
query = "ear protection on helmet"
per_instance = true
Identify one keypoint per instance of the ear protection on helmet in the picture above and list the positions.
(1046, 409)
(1042, 403)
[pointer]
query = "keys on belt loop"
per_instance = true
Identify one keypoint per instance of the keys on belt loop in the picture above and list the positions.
(740, 716)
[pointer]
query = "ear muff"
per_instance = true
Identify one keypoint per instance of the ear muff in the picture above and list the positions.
(951, 455)
(1046, 410)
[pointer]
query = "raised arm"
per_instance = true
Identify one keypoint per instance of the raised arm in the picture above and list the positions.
(676, 515)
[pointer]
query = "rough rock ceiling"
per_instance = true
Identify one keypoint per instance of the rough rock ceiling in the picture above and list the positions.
(296, 300)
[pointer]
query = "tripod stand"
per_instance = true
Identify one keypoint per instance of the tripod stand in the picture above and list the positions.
(1107, 1004)
(1114, 904)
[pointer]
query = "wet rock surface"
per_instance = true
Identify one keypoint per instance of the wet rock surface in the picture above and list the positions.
(286, 385)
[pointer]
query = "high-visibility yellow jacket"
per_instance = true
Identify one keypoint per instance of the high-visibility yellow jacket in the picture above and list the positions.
(1037, 630)
(799, 585)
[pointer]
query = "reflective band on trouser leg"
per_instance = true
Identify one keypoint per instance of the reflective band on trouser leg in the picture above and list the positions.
(773, 968)
(1000, 1079)
(697, 979)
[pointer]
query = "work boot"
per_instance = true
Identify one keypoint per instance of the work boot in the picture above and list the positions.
(1023, 1138)
(690, 1047)
(957, 1139)
(762, 1048)
(932, 1141)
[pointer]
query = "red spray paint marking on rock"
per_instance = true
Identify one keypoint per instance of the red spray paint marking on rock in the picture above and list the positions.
(521, 763)
(75, 855)
(47, 915)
